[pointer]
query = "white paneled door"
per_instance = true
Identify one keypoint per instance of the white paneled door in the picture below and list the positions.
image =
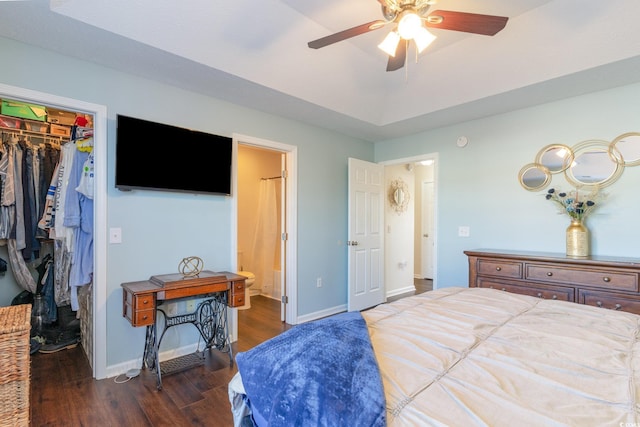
(427, 230)
(366, 235)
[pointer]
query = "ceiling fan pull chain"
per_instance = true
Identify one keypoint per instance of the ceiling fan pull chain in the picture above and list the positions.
(406, 62)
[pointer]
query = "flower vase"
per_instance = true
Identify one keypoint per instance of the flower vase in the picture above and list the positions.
(577, 239)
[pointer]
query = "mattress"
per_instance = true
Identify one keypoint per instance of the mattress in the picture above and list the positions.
(475, 356)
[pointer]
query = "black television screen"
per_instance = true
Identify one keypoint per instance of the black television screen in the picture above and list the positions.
(156, 156)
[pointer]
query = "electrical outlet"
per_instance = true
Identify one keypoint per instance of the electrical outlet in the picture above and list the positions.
(464, 231)
(191, 306)
(319, 282)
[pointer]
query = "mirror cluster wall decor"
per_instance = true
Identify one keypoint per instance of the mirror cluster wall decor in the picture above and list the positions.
(588, 167)
(592, 163)
(399, 195)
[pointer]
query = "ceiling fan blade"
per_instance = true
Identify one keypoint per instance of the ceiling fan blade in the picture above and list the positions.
(346, 34)
(487, 25)
(397, 62)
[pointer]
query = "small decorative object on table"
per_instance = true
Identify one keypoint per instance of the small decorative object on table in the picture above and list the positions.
(190, 266)
(577, 206)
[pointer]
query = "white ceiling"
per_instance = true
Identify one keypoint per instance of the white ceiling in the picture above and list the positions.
(254, 53)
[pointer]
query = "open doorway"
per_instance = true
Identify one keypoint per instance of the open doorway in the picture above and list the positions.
(94, 336)
(265, 215)
(410, 233)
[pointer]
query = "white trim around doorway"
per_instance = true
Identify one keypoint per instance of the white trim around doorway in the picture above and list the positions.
(291, 214)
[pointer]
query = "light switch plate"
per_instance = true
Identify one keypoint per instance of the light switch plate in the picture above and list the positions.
(115, 235)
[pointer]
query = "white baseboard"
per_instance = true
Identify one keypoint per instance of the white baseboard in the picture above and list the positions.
(401, 291)
(322, 313)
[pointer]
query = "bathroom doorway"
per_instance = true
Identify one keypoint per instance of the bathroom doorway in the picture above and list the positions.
(265, 176)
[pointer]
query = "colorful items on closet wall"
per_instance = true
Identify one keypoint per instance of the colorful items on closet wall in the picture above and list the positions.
(46, 200)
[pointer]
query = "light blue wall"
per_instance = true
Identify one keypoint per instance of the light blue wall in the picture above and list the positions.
(159, 229)
(478, 185)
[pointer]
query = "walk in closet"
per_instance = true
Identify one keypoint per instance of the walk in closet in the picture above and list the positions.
(46, 220)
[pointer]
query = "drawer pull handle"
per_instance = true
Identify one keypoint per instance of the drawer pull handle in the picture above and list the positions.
(539, 294)
(549, 274)
(618, 306)
(498, 268)
(606, 279)
(599, 303)
(504, 289)
(145, 301)
(554, 297)
(145, 317)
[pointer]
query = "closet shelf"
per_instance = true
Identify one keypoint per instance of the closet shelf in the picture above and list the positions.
(33, 133)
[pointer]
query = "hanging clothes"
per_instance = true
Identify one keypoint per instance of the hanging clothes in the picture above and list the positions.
(78, 216)
(46, 191)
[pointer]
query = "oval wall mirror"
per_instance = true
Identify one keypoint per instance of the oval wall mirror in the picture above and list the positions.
(399, 195)
(593, 165)
(534, 176)
(626, 149)
(555, 157)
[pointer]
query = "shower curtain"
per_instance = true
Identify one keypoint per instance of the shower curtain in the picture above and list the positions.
(265, 238)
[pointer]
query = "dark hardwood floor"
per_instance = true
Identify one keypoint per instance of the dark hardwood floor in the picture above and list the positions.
(63, 392)
(421, 285)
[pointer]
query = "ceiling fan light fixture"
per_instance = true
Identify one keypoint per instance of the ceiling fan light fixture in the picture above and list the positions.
(390, 43)
(423, 38)
(409, 24)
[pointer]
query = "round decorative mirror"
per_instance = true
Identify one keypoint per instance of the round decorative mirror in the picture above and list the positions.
(534, 176)
(625, 149)
(399, 195)
(593, 165)
(555, 157)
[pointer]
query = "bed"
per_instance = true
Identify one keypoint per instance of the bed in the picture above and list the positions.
(449, 357)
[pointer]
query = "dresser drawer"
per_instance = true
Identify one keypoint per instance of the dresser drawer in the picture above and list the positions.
(560, 293)
(237, 287)
(236, 300)
(141, 302)
(143, 317)
(139, 309)
(614, 301)
(497, 268)
(139, 317)
(602, 278)
(235, 297)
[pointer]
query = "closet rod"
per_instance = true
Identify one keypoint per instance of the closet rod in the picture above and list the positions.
(273, 177)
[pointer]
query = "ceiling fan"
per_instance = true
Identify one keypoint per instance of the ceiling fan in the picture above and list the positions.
(410, 19)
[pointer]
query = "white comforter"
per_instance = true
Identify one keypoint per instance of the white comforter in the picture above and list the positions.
(463, 357)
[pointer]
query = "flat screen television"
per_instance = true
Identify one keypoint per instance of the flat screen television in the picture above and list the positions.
(162, 157)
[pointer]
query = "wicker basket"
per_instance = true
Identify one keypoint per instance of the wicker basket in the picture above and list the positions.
(15, 328)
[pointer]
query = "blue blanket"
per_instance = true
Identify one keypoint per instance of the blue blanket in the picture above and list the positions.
(321, 373)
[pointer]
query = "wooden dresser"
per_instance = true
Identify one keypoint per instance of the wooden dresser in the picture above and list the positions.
(609, 282)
